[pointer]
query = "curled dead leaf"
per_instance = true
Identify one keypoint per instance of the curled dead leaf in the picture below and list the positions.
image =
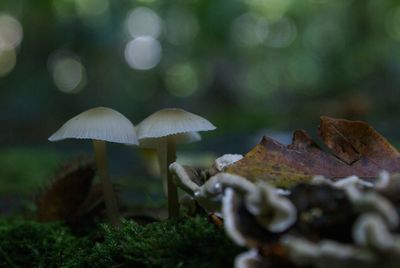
(356, 149)
(61, 200)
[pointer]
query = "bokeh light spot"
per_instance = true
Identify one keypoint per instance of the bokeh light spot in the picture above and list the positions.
(143, 53)
(305, 71)
(282, 33)
(10, 30)
(143, 21)
(182, 26)
(392, 23)
(182, 80)
(273, 9)
(64, 9)
(8, 59)
(68, 73)
(92, 7)
(249, 30)
(324, 34)
(260, 80)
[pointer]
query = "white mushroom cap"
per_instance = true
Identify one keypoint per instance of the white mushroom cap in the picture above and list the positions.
(187, 137)
(171, 121)
(98, 124)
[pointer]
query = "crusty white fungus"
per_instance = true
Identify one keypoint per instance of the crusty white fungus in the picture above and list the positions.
(226, 160)
(371, 230)
(273, 211)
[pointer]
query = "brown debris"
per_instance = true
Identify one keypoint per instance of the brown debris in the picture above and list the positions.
(61, 200)
(356, 149)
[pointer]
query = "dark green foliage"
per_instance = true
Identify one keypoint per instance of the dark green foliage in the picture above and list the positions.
(185, 242)
(173, 243)
(31, 244)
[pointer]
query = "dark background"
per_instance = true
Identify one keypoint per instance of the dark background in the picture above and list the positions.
(252, 67)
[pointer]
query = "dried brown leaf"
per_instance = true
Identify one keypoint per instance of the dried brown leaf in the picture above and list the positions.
(61, 200)
(356, 149)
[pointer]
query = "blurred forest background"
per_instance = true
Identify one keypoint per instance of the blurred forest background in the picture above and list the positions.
(251, 67)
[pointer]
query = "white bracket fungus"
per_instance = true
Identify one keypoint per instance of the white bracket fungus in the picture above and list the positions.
(230, 202)
(276, 213)
(210, 194)
(182, 178)
(248, 259)
(226, 160)
(370, 230)
(325, 253)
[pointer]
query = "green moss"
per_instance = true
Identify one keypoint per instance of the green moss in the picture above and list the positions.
(185, 242)
(31, 244)
(174, 243)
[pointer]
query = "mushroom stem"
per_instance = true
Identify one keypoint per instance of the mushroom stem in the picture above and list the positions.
(173, 203)
(110, 199)
(162, 163)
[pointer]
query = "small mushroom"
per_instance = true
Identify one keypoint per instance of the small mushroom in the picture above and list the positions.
(183, 138)
(163, 126)
(158, 144)
(100, 124)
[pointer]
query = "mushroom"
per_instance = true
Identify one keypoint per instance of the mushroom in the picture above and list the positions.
(100, 124)
(157, 144)
(162, 128)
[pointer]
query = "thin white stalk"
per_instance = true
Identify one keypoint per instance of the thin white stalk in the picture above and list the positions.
(110, 198)
(162, 163)
(170, 157)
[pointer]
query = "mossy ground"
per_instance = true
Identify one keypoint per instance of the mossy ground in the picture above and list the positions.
(184, 242)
